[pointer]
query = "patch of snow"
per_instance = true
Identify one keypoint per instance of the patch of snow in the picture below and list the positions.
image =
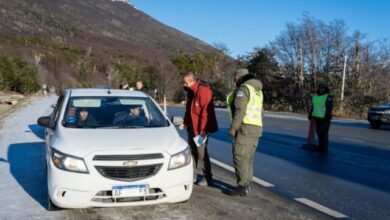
(126, 2)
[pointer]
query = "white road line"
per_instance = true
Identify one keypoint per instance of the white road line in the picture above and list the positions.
(291, 129)
(321, 208)
(307, 202)
(352, 139)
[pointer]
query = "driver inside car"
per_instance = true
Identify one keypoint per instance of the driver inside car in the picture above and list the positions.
(133, 117)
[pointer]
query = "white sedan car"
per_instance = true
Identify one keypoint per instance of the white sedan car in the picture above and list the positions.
(114, 148)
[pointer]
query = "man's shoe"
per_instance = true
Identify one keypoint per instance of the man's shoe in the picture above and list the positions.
(210, 182)
(240, 191)
(202, 182)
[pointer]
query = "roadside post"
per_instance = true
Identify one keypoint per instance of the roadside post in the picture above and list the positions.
(165, 104)
(343, 85)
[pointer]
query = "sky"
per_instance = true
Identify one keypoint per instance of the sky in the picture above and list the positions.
(245, 24)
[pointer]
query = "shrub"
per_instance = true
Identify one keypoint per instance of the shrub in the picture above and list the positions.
(17, 75)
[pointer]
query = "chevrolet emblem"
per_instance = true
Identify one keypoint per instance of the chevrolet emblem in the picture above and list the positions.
(130, 163)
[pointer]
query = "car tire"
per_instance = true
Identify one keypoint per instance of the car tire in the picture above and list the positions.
(375, 124)
(51, 207)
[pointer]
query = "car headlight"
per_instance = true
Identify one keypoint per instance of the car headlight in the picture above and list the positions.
(387, 111)
(180, 159)
(67, 162)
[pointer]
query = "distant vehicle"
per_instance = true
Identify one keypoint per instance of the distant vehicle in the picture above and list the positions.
(379, 115)
(114, 148)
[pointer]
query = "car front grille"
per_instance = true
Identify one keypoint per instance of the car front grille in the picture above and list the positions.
(129, 173)
(127, 157)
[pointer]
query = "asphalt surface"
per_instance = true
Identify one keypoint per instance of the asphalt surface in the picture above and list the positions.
(353, 178)
(24, 196)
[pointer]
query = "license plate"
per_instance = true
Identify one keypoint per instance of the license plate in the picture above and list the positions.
(130, 190)
(374, 117)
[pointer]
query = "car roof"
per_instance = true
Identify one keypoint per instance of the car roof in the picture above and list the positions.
(105, 93)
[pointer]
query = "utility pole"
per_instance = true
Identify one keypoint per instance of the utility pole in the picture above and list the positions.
(343, 84)
(165, 105)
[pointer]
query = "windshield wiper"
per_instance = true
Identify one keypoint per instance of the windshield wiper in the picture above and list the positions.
(155, 126)
(120, 126)
(110, 126)
(132, 126)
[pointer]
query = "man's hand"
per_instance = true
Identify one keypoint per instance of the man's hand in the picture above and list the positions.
(232, 132)
(203, 134)
(182, 126)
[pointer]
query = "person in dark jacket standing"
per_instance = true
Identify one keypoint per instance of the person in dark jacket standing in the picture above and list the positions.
(246, 109)
(321, 113)
(200, 120)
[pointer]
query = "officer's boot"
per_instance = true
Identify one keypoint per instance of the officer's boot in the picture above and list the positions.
(240, 191)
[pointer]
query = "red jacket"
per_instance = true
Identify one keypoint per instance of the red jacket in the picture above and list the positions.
(200, 112)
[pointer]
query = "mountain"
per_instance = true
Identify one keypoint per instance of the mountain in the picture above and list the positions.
(77, 42)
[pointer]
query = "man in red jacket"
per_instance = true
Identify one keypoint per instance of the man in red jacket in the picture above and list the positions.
(200, 120)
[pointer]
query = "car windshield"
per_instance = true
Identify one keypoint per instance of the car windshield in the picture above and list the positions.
(113, 112)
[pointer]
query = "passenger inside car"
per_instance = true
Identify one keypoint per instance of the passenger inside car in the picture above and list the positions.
(85, 119)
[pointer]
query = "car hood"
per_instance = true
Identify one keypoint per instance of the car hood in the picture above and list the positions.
(380, 108)
(81, 142)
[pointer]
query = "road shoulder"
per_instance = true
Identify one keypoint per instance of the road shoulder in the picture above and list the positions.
(6, 110)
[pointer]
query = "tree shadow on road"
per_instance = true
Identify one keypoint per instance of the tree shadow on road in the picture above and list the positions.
(225, 188)
(37, 130)
(358, 163)
(219, 184)
(27, 166)
(359, 125)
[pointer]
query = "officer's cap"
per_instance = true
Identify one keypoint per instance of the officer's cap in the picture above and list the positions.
(240, 73)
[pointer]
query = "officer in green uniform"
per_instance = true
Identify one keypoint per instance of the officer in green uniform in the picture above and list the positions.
(321, 112)
(246, 110)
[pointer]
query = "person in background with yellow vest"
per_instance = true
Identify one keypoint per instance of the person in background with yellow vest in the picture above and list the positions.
(321, 113)
(246, 109)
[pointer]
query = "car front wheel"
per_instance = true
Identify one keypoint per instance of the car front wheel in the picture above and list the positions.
(51, 206)
(375, 124)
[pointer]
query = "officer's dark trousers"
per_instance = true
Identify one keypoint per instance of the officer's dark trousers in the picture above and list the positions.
(322, 129)
(244, 148)
(200, 155)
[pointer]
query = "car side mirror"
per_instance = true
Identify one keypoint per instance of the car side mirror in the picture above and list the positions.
(45, 121)
(177, 120)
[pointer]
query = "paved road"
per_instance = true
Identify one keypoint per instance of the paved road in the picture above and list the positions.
(354, 178)
(23, 185)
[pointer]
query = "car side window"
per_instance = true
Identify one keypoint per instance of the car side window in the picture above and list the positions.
(57, 109)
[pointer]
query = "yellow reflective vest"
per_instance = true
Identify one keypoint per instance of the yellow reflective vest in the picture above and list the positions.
(254, 108)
